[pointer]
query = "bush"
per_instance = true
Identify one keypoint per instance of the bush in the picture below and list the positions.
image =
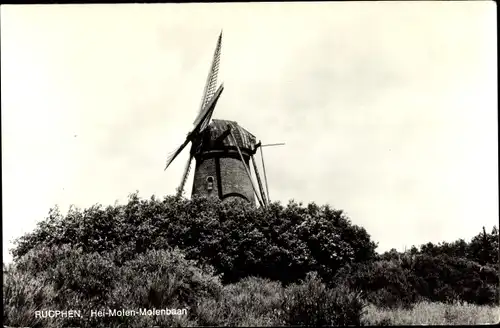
(159, 279)
(447, 278)
(163, 279)
(406, 280)
(313, 304)
(92, 281)
(23, 294)
(250, 302)
(385, 283)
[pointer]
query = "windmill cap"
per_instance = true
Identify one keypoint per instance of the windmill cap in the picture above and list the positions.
(244, 139)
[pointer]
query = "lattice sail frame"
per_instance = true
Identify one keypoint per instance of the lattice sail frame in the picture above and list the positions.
(211, 83)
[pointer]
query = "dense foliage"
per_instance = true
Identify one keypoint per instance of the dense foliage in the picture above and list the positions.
(159, 280)
(278, 242)
(231, 264)
(414, 278)
(483, 249)
(444, 272)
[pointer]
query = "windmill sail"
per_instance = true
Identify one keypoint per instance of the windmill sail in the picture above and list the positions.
(176, 152)
(206, 114)
(211, 83)
(184, 176)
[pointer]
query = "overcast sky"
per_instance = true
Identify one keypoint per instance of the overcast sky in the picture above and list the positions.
(388, 109)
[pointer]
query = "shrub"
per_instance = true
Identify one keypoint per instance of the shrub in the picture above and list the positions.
(250, 302)
(23, 294)
(163, 279)
(77, 280)
(158, 279)
(448, 278)
(93, 281)
(385, 283)
(313, 304)
(406, 280)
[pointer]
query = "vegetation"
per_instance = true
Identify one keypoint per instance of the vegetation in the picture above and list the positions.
(229, 264)
(401, 283)
(435, 313)
(281, 243)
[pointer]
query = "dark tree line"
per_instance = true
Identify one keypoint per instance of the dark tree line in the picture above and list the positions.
(482, 249)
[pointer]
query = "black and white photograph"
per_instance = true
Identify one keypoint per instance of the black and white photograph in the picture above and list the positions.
(250, 164)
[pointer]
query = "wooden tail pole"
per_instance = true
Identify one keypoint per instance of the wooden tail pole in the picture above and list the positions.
(262, 194)
(274, 144)
(246, 169)
(265, 176)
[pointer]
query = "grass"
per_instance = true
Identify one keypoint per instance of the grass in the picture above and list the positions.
(433, 313)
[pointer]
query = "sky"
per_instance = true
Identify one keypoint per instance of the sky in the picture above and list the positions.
(388, 109)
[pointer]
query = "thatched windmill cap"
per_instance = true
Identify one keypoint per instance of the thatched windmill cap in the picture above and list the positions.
(244, 139)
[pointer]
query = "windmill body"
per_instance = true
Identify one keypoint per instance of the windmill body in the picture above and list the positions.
(220, 170)
(222, 150)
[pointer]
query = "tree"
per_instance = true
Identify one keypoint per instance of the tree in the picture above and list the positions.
(484, 248)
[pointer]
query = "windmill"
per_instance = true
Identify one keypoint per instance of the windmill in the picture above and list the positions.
(222, 150)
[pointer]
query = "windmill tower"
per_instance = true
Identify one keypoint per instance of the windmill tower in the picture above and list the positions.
(222, 150)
